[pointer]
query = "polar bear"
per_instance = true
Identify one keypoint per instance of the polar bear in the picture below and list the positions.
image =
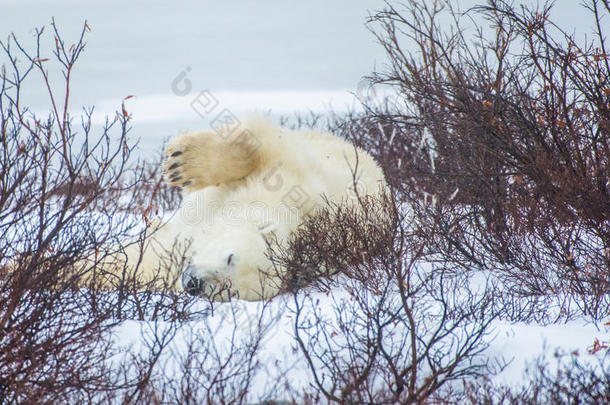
(247, 188)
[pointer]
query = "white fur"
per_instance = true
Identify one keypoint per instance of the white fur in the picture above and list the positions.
(225, 213)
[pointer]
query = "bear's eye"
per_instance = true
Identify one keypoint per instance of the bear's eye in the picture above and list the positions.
(230, 259)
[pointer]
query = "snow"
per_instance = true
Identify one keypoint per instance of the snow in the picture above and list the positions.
(515, 344)
(521, 343)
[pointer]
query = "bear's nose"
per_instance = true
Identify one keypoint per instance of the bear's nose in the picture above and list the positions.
(208, 286)
(190, 284)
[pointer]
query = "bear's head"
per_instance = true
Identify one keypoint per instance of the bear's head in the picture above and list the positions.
(233, 262)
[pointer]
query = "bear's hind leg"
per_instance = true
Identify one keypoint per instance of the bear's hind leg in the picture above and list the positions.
(153, 260)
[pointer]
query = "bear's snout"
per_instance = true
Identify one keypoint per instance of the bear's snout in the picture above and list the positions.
(190, 284)
(202, 286)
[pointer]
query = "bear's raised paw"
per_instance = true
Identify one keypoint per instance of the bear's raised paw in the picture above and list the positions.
(180, 165)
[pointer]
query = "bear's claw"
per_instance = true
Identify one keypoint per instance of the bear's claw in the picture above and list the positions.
(174, 176)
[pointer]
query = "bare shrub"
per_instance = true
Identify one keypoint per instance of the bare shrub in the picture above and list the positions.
(213, 359)
(495, 151)
(504, 128)
(570, 381)
(68, 193)
(51, 177)
(395, 328)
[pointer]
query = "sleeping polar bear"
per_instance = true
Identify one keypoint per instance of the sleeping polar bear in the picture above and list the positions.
(246, 189)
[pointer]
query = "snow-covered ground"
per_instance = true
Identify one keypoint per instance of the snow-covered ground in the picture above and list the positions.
(521, 343)
(516, 345)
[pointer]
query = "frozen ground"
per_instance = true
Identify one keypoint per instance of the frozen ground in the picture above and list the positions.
(517, 344)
